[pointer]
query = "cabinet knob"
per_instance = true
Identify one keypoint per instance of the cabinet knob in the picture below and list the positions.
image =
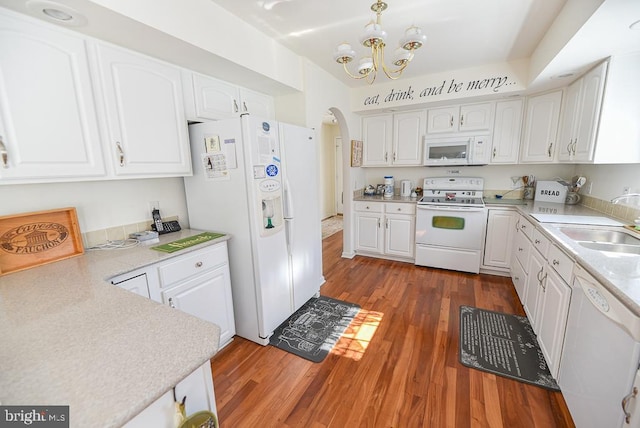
(625, 401)
(399, 209)
(494, 152)
(4, 154)
(549, 149)
(520, 249)
(537, 241)
(171, 304)
(462, 120)
(244, 106)
(199, 264)
(555, 262)
(235, 106)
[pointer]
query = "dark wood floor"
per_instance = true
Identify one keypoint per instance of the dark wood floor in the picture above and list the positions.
(397, 367)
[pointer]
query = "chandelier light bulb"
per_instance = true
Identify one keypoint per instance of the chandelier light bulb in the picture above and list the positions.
(366, 65)
(344, 53)
(401, 56)
(413, 38)
(373, 35)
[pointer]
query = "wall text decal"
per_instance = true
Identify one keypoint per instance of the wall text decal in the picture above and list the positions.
(448, 86)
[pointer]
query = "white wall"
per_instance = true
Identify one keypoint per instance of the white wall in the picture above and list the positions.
(609, 180)
(327, 191)
(100, 204)
(497, 177)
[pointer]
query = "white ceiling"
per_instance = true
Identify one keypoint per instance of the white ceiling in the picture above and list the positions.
(461, 33)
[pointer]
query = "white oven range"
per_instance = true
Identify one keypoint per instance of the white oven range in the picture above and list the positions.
(451, 220)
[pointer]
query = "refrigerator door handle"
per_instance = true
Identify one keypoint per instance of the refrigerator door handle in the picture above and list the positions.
(288, 203)
(288, 232)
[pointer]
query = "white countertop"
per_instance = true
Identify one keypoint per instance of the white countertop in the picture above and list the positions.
(69, 337)
(619, 273)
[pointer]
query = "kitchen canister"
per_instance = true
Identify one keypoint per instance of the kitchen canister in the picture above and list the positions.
(388, 186)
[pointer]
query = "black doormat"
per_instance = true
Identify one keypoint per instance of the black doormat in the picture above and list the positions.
(313, 330)
(502, 344)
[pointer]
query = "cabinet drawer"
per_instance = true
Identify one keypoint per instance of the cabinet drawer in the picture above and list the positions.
(522, 250)
(374, 207)
(541, 242)
(561, 263)
(400, 208)
(526, 227)
(191, 264)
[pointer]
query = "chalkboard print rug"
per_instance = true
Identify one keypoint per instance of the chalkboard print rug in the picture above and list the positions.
(313, 330)
(504, 345)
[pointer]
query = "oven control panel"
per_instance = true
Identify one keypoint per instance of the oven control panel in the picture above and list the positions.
(467, 184)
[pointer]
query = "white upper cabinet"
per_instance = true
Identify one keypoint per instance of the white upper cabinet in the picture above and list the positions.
(542, 117)
(147, 132)
(393, 140)
(48, 121)
(506, 132)
(581, 116)
(460, 118)
(377, 133)
(257, 104)
(213, 99)
(408, 135)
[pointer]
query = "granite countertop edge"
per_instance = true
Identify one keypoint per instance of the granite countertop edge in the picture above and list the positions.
(71, 338)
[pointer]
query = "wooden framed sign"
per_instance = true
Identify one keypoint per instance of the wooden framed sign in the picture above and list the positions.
(33, 239)
(356, 153)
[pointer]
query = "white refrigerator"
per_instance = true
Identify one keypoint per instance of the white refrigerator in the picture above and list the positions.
(256, 180)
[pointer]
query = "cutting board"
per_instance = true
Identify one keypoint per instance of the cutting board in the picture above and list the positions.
(576, 219)
(32, 239)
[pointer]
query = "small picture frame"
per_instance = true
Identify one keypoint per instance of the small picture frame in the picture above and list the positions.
(356, 153)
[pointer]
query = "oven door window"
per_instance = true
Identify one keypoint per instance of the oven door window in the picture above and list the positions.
(458, 151)
(447, 222)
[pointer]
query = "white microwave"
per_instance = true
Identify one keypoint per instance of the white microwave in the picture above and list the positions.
(474, 150)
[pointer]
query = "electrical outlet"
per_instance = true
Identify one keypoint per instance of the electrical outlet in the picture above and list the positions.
(626, 190)
(153, 205)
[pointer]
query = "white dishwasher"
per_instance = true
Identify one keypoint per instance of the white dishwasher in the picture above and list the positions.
(599, 366)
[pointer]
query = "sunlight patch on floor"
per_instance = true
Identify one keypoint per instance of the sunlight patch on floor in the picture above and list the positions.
(357, 337)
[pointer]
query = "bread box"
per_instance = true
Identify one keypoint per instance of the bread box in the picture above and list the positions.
(551, 191)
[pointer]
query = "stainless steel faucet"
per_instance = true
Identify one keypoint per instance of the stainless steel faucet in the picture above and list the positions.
(624, 197)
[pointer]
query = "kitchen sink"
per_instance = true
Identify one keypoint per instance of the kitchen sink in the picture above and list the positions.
(604, 239)
(614, 248)
(600, 235)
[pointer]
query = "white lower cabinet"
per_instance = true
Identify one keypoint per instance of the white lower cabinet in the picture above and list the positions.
(197, 283)
(197, 387)
(208, 297)
(386, 229)
(498, 245)
(541, 273)
(135, 281)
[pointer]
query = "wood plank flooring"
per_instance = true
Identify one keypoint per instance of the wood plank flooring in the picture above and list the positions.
(396, 366)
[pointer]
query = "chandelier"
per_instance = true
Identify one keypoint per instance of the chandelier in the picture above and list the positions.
(374, 37)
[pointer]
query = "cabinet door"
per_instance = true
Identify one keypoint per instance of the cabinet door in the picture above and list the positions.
(147, 128)
(553, 319)
(506, 132)
(214, 99)
(376, 136)
(137, 284)
(589, 113)
(443, 119)
(500, 236)
(535, 283)
(408, 132)
(541, 127)
(48, 120)
(569, 121)
(369, 235)
(400, 235)
(476, 117)
(207, 297)
(519, 278)
(257, 104)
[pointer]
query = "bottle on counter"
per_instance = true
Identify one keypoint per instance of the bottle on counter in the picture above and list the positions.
(388, 186)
